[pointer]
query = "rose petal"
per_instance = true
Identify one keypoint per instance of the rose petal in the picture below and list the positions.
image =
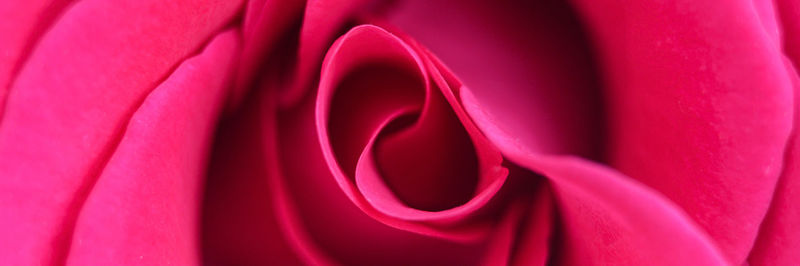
(329, 221)
(368, 95)
(144, 207)
(700, 107)
(528, 60)
(608, 219)
(265, 29)
(22, 25)
(524, 236)
(70, 102)
(779, 239)
(241, 224)
(323, 20)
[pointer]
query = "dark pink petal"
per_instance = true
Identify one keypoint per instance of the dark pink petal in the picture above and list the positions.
(144, 207)
(70, 103)
(607, 218)
(779, 238)
(700, 107)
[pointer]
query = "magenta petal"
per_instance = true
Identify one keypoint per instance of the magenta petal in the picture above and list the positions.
(525, 234)
(322, 21)
(527, 60)
(22, 25)
(68, 107)
(779, 238)
(241, 224)
(267, 25)
(700, 107)
(361, 92)
(331, 226)
(607, 218)
(144, 207)
(610, 219)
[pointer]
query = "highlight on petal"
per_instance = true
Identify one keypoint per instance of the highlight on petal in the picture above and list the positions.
(70, 102)
(144, 207)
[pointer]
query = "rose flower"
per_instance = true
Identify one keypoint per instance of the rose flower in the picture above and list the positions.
(408, 132)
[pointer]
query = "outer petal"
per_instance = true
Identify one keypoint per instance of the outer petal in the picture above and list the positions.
(22, 24)
(70, 103)
(144, 207)
(700, 107)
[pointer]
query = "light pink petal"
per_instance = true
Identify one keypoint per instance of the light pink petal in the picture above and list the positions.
(144, 207)
(700, 107)
(70, 103)
(779, 237)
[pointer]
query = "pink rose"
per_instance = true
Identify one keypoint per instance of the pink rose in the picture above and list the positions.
(434, 132)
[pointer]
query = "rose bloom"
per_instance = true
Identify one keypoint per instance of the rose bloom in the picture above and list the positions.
(409, 132)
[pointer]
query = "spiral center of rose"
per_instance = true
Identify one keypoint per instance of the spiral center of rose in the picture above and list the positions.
(393, 128)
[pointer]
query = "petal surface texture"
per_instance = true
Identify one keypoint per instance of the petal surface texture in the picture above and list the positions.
(70, 102)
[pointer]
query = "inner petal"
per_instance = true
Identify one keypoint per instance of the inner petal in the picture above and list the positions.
(432, 164)
(395, 135)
